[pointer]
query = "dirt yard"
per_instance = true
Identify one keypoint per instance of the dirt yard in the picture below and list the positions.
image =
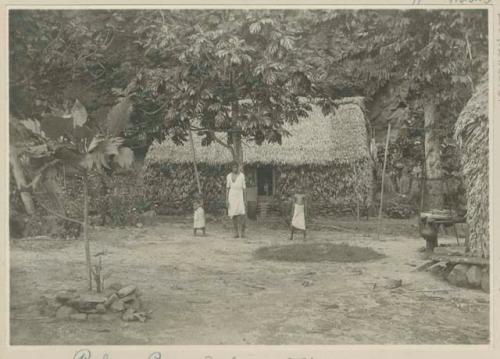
(213, 290)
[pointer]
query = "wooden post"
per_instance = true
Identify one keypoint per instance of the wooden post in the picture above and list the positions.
(356, 191)
(196, 174)
(85, 228)
(383, 178)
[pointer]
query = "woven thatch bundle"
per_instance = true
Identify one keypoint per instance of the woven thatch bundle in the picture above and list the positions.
(317, 139)
(471, 132)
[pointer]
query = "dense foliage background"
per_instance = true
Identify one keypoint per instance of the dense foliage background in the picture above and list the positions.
(189, 70)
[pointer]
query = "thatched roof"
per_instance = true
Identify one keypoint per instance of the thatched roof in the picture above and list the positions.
(340, 137)
(472, 132)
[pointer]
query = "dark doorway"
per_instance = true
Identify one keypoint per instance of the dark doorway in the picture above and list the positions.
(265, 181)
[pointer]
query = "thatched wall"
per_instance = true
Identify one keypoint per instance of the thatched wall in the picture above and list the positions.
(173, 187)
(332, 188)
(472, 131)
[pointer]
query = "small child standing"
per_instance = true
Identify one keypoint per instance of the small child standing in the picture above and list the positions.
(199, 217)
(299, 211)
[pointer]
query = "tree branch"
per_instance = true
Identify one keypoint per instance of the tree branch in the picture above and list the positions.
(45, 167)
(61, 215)
(219, 141)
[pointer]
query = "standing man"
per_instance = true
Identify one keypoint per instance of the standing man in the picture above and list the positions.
(236, 199)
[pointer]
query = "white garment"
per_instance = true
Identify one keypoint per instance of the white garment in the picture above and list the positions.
(199, 218)
(298, 220)
(235, 197)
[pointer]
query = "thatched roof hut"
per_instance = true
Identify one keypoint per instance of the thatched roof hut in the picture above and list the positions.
(328, 155)
(316, 139)
(472, 132)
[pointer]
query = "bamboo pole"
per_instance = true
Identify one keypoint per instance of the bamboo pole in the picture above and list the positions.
(383, 178)
(196, 174)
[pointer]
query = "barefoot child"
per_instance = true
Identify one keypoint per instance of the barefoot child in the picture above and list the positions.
(299, 213)
(199, 217)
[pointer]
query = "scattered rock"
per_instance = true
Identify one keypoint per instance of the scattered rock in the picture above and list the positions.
(88, 302)
(437, 268)
(95, 307)
(139, 225)
(78, 317)
(48, 306)
(64, 312)
(485, 280)
(110, 300)
(94, 317)
(117, 306)
(128, 315)
(136, 304)
(74, 302)
(307, 283)
(64, 297)
(94, 298)
(107, 317)
(474, 276)
(141, 316)
(393, 283)
(115, 286)
(125, 291)
(128, 298)
(458, 275)
(425, 266)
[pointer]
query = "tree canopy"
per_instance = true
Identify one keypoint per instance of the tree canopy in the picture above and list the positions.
(239, 72)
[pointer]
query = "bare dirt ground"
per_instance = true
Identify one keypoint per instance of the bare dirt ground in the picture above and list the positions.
(213, 290)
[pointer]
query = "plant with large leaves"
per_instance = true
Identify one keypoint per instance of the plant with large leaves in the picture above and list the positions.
(87, 149)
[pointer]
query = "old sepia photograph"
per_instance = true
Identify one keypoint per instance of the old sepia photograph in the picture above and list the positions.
(260, 176)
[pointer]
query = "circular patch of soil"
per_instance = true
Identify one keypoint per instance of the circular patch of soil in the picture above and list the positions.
(317, 252)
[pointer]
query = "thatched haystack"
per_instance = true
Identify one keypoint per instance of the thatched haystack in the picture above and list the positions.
(328, 154)
(471, 132)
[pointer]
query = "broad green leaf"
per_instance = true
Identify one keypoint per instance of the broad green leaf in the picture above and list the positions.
(125, 157)
(118, 117)
(79, 114)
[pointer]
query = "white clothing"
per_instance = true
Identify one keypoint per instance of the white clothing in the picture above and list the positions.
(199, 218)
(235, 197)
(298, 220)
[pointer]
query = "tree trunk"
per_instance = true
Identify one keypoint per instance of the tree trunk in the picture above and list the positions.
(197, 175)
(433, 165)
(236, 134)
(85, 228)
(18, 174)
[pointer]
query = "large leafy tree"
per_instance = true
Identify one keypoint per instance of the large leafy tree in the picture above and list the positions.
(429, 60)
(230, 75)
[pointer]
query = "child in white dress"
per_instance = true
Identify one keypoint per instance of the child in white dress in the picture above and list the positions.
(299, 211)
(199, 217)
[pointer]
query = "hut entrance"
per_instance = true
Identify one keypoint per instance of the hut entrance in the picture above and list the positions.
(265, 181)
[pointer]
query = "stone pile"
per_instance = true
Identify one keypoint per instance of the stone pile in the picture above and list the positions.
(117, 300)
(474, 276)
(463, 275)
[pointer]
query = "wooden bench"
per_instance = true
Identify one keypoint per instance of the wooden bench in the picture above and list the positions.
(429, 223)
